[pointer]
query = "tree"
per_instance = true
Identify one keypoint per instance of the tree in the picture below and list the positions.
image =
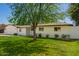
(33, 14)
(73, 11)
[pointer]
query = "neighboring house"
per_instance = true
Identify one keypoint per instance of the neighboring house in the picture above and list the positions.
(46, 30)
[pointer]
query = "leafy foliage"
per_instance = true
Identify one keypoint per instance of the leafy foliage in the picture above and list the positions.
(74, 12)
(34, 13)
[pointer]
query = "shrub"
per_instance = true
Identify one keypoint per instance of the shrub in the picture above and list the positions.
(15, 34)
(65, 36)
(56, 35)
(47, 36)
(40, 35)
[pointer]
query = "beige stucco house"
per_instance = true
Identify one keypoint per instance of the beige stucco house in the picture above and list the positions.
(51, 30)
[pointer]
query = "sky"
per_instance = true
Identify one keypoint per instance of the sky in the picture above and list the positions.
(64, 7)
(5, 12)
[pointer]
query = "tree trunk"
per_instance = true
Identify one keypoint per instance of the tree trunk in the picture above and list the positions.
(34, 34)
(34, 31)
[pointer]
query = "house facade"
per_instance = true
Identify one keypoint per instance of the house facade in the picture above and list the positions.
(45, 30)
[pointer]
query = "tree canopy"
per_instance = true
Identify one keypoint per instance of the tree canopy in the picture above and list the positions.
(34, 12)
(73, 12)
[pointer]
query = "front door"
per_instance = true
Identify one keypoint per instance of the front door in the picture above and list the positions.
(28, 31)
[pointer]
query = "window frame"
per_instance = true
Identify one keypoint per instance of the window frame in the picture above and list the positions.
(41, 28)
(57, 29)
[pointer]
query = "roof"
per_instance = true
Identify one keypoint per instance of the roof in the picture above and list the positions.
(55, 24)
(2, 26)
(22, 25)
(49, 24)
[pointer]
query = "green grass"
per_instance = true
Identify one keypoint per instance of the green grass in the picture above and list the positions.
(24, 46)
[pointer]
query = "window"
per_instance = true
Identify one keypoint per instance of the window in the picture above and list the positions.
(19, 29)
(41, 29)
(57, 28)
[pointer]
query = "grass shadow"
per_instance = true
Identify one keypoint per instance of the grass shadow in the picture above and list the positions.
(20, 48)
(60, 39)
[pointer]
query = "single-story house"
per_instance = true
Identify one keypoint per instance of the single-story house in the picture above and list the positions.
(46, 30)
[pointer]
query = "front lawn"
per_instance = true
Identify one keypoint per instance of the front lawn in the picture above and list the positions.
(23, 46)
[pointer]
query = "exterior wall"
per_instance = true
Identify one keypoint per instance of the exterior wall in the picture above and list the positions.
(50, 30)
(10, 30)
(73, 31)
(67, 30)
(24, 31)
(13, 29)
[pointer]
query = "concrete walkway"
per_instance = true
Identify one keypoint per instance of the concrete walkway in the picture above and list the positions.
(4, 35)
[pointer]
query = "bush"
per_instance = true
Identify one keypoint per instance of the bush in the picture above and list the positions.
(56, 35)
(40, 35)
(47, 36)
(15, 34)
(65, 36)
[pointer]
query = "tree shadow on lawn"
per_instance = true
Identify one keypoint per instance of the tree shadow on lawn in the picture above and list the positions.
(29, 48)
(20, 48)
(61, 39)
